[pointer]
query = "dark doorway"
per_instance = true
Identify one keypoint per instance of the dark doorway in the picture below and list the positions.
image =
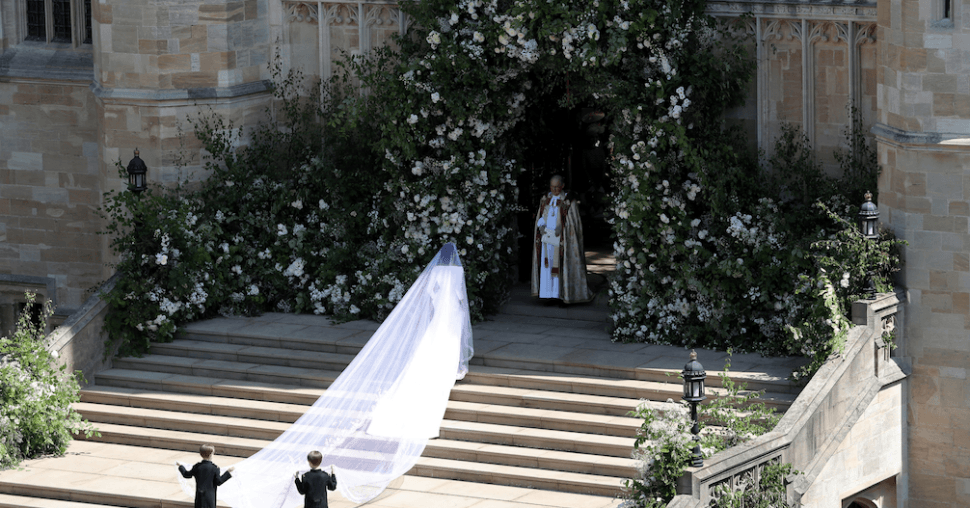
(574, 143)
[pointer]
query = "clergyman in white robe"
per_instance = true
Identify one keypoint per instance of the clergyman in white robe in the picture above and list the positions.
(558, 261)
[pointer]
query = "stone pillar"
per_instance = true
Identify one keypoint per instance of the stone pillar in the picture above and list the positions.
(923, 135)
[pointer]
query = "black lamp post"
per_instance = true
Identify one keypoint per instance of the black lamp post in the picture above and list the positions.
(694, 376)
(868, 227)
(137, 181)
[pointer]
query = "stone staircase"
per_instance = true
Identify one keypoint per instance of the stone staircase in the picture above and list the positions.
(539, 422)
(238, 383)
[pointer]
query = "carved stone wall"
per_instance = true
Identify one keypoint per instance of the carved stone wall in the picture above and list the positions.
(317, 35)
(815, 61)
(808, 74)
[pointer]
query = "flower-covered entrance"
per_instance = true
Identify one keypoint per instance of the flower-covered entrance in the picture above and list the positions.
(457, 127)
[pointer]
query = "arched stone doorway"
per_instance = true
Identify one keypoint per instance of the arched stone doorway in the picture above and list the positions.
(861, 503)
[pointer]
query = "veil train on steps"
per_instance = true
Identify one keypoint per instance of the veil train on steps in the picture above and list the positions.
(374, 421)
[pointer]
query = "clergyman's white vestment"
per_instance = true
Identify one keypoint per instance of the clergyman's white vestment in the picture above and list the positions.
(558, 260)
(549, 282)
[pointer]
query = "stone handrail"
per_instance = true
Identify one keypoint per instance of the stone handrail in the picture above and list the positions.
(80, 342)
(824, 412)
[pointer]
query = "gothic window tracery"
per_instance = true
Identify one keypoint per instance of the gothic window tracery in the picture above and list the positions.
(57, 21)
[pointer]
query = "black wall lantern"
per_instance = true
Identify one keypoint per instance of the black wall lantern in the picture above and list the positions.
(137, 170)
(869, 218)
(694, 377)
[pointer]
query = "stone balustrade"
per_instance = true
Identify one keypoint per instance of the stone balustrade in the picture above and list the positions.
(80, 343)
(844, 432)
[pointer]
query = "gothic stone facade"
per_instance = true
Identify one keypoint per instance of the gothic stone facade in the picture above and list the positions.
(83, 83)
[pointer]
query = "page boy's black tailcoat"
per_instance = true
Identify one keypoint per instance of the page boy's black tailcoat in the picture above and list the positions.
(207, 479)
(314, 486)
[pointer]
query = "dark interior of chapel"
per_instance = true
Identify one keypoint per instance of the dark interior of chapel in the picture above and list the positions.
(572, 142)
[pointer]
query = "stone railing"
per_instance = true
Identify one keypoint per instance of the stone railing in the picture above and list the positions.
(821, 417)
(80, 341)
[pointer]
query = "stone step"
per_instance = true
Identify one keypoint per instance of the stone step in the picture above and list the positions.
(522, 303)
(42, 494)
(148, 371)
(10, 501)
(308, 359)
(519, 477)
(471, 432)
(349, 338)
(433, 467)
(275, 411)
(232, 388)
(670, 388)
(271, 374)
(336, 362)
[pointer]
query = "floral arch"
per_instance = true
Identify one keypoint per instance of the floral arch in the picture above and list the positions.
(709, 250)
(455, 120)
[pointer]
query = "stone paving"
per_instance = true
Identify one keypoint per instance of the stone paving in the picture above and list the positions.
(97, 471)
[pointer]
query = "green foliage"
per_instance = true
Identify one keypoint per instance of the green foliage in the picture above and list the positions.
(35, 395)
(664, 441)
(770, 265)
(663, 451)
(737, 416)
(844, 262)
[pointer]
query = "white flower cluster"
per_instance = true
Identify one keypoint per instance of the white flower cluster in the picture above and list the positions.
(295, 269)
(744, 228)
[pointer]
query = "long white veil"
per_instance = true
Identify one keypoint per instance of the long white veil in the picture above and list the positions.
(374, 421)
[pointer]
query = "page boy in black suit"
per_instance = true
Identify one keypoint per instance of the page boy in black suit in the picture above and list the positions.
(315, 483)
(207, 477)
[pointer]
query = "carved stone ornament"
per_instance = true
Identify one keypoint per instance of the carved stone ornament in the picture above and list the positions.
(829, 31)
(380, 15)
(865, 34)
(301, 12)
(783, 29)
(746, 478)
(847, 11)
(889, 325)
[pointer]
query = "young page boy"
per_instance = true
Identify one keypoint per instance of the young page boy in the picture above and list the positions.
(207, 477)
(315, 483)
